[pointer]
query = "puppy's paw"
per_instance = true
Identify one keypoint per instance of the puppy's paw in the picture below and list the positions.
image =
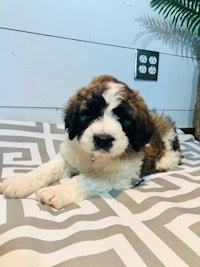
(170, 160)
(17, 187)
(57, 196)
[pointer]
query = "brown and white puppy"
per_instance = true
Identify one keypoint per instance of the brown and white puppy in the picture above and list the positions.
(112, 141)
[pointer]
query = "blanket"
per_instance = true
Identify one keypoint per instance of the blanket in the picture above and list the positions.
(154, 224)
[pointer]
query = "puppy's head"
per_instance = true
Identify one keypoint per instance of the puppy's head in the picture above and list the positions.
(108, 117)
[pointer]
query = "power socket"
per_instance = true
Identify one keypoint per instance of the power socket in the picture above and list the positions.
(146, 65)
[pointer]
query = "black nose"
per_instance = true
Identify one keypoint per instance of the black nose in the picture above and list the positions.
(103, 141)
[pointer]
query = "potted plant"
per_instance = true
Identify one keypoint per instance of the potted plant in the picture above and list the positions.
(184, 15)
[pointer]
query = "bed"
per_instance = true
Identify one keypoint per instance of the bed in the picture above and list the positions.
(154, 224)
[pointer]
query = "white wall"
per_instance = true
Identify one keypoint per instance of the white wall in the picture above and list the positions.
(38, 73)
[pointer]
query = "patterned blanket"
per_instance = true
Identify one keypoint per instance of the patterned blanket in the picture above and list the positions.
(154, 224)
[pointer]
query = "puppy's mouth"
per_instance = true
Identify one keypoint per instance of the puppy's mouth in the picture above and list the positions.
(103, 142)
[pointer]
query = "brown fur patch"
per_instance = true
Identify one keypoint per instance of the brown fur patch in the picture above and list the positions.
(150, 127)
(98, 85)
(155, 150)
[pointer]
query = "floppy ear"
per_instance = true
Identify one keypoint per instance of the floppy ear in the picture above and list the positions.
(143, 126)
(142, 132)
(71, 118)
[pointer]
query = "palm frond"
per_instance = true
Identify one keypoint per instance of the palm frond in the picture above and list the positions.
(179, 39)
(184, 13)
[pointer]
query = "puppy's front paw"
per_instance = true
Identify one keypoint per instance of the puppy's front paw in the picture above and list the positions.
(16, 187)
(57, 196)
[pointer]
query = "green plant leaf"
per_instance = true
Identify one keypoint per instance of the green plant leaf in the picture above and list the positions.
(184, 13)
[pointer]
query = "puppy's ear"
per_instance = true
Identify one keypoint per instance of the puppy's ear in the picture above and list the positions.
(143, 124)
(143, 130)
(71, 112)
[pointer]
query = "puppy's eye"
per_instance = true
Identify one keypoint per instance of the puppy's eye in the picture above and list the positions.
(84, 117)
(125, 123)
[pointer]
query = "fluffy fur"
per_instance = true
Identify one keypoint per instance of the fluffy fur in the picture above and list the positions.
(112, 141)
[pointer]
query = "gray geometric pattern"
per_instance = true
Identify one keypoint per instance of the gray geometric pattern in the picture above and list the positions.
(155, 224)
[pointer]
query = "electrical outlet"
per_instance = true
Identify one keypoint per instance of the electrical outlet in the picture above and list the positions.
(146, 65)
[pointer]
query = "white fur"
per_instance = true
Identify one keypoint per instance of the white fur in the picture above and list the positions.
(105, 125)
(102, 175)
(23, 185)
(168, 138)
(97, 177)
(112, 96)
(170, 158)
(104, 166)
(168, 161)
(94, 171)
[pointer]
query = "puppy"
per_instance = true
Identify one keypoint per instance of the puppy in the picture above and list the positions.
(112, 142)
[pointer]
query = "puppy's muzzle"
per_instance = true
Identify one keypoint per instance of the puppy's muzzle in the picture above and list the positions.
(103, 141)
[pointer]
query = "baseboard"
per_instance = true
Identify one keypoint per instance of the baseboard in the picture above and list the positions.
(188, 130)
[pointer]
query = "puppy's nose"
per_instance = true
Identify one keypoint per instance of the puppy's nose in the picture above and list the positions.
(103, 141)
